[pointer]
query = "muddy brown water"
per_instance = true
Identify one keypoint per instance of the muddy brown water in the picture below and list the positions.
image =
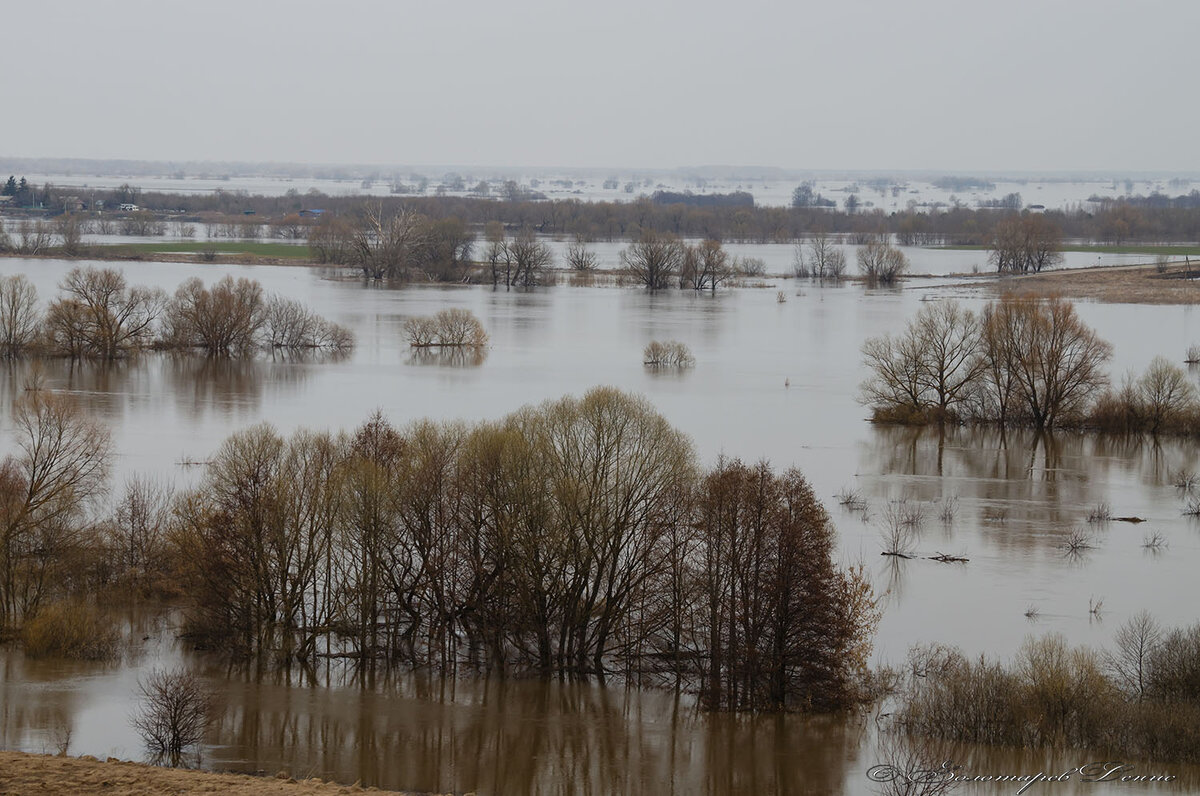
(1018, 496)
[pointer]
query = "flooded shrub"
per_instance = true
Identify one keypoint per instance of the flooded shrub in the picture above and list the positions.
(225, 318)
(453, 327)
(70, 629)
(235, 316)
(580, 257)
(881, 263)
(19, 315)
(289, 324)
(99, 315)
(1143, 698)
(670, 353)
(175, 711)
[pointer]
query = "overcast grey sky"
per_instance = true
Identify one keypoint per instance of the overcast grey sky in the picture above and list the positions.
(856, 84)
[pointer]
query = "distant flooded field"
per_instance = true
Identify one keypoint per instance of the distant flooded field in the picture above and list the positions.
(773, 379)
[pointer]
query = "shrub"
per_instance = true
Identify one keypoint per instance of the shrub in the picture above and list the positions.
(453, 327)
(669, 354)
(70, 630)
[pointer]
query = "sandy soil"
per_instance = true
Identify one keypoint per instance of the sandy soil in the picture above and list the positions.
(42, 774)
(1123, 284)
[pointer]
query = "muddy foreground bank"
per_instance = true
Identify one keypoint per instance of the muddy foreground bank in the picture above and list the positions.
(22, 773)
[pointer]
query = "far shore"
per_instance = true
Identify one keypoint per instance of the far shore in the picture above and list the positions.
(1142, 283)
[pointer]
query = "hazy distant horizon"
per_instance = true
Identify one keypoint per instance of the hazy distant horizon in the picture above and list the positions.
(928, 85)
(191, 167)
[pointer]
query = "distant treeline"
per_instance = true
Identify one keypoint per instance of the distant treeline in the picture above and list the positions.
(576, 538)
(735, 199)
(1115, 222)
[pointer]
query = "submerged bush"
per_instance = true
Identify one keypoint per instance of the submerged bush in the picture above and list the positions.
(671, 353)
(70, 629)
(453, 328)
(1143, 699)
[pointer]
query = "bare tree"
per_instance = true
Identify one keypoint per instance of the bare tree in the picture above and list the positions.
(880, 262)
(1136, 642)
(1164, 394)
(69, 228)
(60, 467)
(824, 259)
(530, 259)
(580, 257)
(101, 316)
(19, 317)
(705, 266)
(1044, 357)
(224, 318)
(1023, 243)
(175, 712)
(383, 244)
(654, 259)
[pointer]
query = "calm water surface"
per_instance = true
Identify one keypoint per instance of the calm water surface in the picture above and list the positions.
(1018, 497)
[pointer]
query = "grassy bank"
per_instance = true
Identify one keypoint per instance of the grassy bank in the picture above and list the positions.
(258, 248)
(22, 773)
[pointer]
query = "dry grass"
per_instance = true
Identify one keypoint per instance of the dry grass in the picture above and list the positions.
(41, 774)
(1123, 284)
(71, 630)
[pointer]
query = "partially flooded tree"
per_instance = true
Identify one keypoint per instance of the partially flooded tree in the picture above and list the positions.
(705, 266)
(823, 258)
(1043, 360)
(100, 316)
(530, 258)
(778, 622)
(225, 318)
(175, 711)
(880, 262)
(653, 259)
(19, 317)
(45, 489)
(580, 257)
(1164, 395)
(383, 244)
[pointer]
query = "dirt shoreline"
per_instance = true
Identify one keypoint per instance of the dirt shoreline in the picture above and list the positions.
(1109, 284)
(22, 773)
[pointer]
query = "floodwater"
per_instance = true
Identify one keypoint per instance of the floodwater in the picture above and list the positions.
(1018, 497)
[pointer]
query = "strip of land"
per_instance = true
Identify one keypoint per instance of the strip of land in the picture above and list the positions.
(1111, 284)
(22, 774)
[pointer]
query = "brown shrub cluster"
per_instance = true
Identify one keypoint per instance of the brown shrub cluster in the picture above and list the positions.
(1142, 697)
(452, 328)
(668, 354)
(98, 315)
